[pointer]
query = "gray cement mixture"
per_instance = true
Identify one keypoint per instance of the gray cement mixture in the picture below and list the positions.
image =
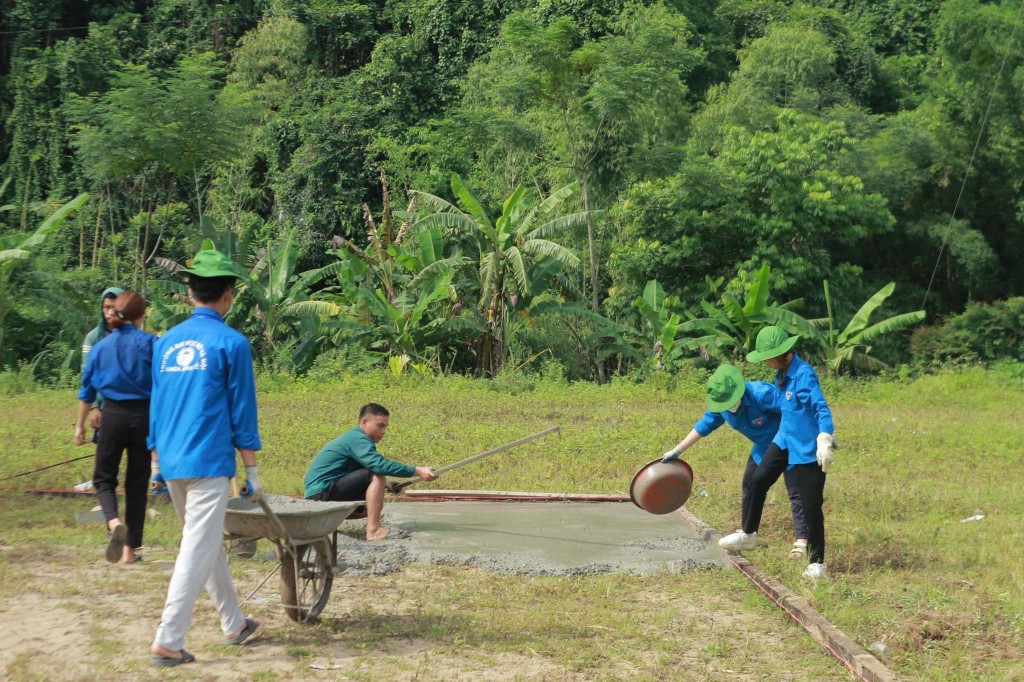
(530, 538)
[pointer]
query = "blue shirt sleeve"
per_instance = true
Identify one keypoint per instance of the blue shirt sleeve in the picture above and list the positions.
(708, 423)
(811, 394)
(242, 397)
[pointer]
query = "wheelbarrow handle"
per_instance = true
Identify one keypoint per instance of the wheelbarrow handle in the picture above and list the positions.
(396, 487)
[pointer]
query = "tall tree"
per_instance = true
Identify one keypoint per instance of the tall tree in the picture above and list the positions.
(587, 110)
(174, 126)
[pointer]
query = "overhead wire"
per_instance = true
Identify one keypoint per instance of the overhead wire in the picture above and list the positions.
(974, 152)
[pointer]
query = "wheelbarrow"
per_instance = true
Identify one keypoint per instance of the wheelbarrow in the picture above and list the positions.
(305, 535)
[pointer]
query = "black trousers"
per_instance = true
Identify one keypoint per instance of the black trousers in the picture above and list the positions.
(796, 504)
(348, 488)
(810, 481)
(125, 428)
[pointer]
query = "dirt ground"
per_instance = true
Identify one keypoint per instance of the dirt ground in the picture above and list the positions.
(81, 625)
(75, 617)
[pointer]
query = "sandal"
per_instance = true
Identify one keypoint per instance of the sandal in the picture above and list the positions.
(799, 549)
(250, 627)
(173, 661)
(115, 545)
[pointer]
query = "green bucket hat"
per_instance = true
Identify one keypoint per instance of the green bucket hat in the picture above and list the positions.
(725, 388)
(210, 262)
(771, 343)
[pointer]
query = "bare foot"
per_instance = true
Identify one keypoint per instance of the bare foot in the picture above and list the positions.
(387, 534)
(158, 650)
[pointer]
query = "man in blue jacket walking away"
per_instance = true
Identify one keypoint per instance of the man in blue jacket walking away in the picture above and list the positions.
(203, 408)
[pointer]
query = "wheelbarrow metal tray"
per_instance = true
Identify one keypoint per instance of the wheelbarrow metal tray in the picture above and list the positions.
(303, 519)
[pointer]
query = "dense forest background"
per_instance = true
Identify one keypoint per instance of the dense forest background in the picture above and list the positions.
(590, 187)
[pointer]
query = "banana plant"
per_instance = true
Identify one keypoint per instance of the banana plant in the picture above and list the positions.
(662, 326)
(850, 348)
(517, 261)
(17, 247)
(653, 345)
(274, 302)
(728, 332)
(406, 324)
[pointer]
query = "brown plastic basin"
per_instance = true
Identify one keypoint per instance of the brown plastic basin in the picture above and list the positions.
(662, 487)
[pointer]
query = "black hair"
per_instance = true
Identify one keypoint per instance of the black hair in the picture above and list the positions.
(373, 410)
(209, 289)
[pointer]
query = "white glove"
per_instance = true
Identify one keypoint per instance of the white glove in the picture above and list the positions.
(252, 482)
(671, 455)
(826, 451)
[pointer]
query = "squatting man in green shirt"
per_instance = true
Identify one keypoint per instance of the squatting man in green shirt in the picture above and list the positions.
(350, 469)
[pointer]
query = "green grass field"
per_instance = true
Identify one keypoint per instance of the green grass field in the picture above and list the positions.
(915, 458)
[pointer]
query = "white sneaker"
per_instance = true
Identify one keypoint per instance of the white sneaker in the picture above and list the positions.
(815, 571)
(739, 540)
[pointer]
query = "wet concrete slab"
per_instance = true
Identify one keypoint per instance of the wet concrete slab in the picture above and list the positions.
(533, 538)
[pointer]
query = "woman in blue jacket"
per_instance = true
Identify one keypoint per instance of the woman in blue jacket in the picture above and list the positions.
(754, 409)
(804, 443)
(120, 367)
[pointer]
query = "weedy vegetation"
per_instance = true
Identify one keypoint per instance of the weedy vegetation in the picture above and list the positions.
(916, 458)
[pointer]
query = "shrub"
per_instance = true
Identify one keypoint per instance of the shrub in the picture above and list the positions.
(983, 333)
(18, 381)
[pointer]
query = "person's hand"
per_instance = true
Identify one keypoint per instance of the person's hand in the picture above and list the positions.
(95, 417)
(671, 455)
(80, 435)
(157, 484)
(426, 473)
(252, 482)
(826, 451)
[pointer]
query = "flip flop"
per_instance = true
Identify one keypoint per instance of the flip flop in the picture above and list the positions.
(171, 661)
(250, 627)
(115, 545)
(393, 534)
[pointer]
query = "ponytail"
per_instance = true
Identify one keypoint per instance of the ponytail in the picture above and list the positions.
(128, 307)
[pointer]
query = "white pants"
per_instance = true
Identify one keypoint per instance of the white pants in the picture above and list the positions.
(201, 504)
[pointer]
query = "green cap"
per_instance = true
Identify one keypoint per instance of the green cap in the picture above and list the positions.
(210, 262)
(725, 388)
(771, 343)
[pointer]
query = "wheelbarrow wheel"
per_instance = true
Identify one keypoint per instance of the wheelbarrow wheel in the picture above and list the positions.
(305, 594)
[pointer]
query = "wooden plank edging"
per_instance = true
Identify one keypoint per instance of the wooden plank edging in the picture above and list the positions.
(836, 642)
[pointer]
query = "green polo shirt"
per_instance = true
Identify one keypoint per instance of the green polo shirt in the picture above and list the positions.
(351, 451)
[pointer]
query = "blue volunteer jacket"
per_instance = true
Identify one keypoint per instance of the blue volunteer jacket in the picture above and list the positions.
(120, 366)
(204, 398)
(805, 413)
(758, 417)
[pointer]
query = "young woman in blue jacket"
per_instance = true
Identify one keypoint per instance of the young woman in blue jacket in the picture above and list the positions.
(120, 367)
(754, 409)
(804, 444)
